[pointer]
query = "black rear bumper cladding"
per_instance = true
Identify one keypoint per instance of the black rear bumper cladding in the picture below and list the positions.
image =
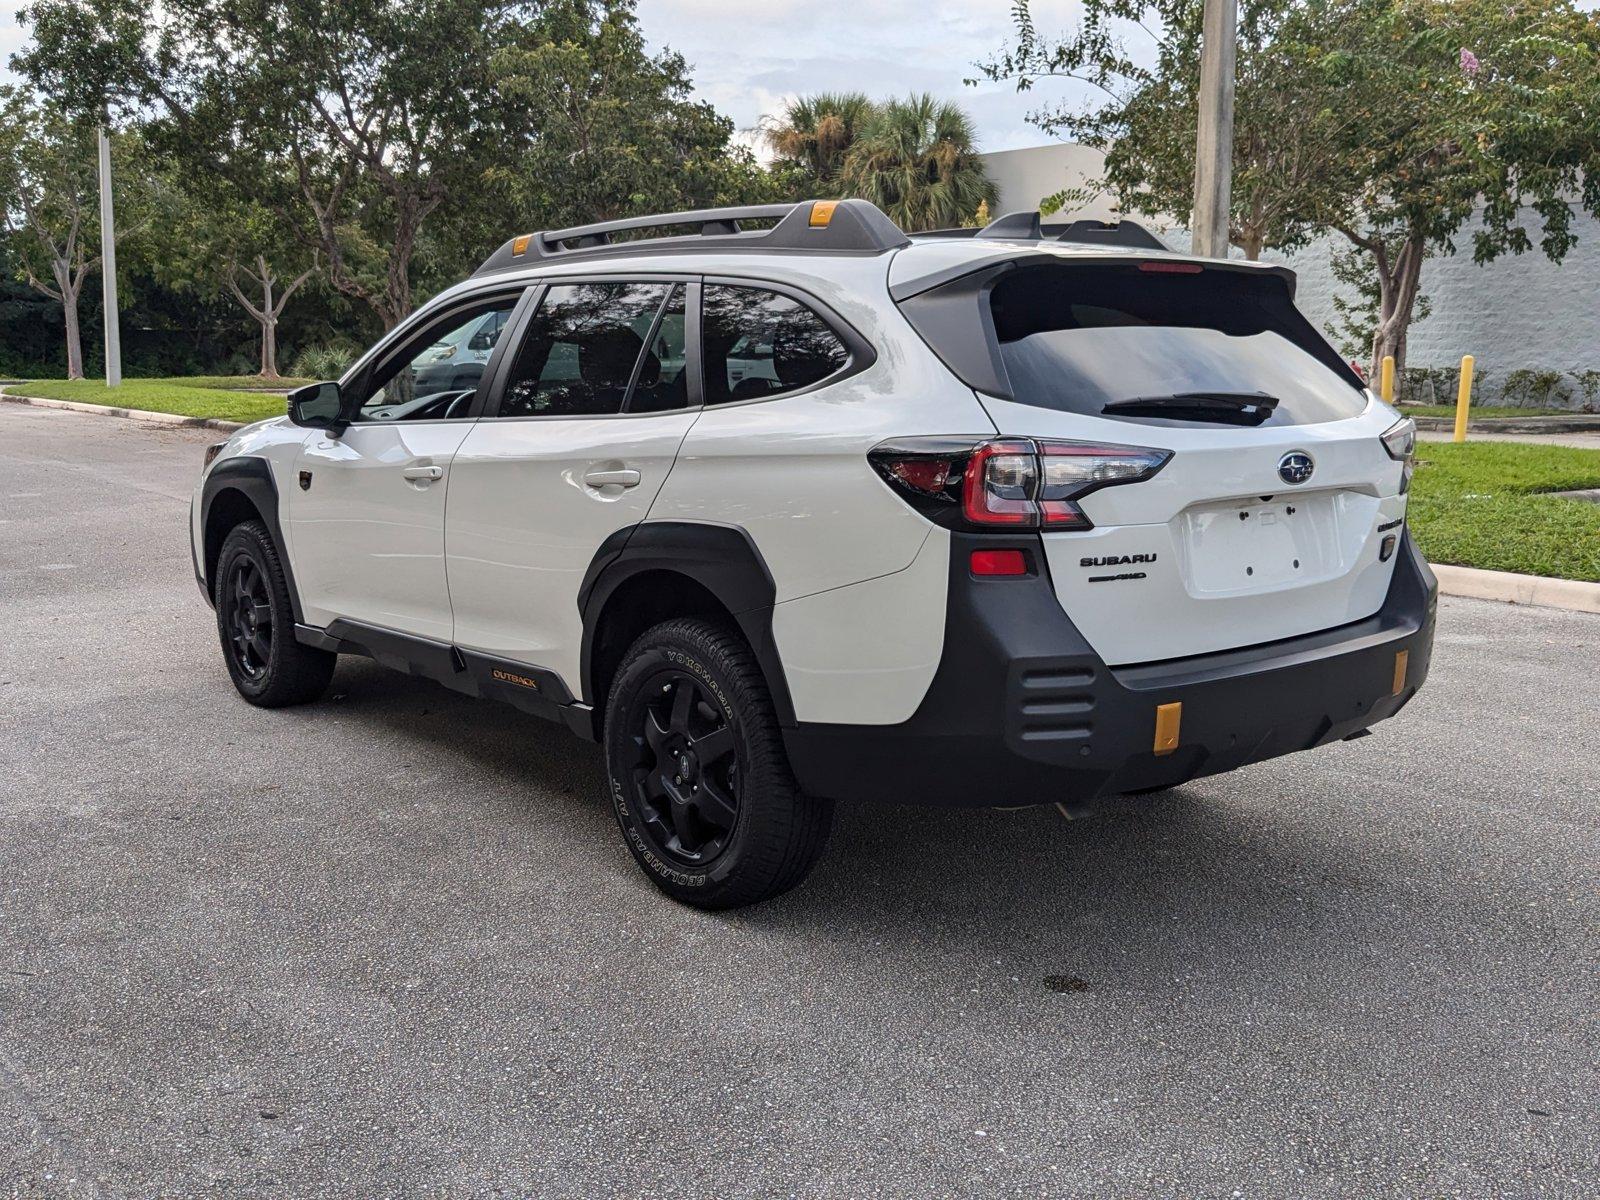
(1022, 711)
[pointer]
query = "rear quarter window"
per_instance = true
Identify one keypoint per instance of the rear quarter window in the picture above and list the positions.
(1077, 339)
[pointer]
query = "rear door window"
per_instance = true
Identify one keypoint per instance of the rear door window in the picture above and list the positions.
(760, 343)
(1080, 339)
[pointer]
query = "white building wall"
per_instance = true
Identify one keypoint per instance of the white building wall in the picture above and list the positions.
(1520, 313)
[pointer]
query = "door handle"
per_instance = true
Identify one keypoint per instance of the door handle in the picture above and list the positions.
(623, 477)
(423, 473)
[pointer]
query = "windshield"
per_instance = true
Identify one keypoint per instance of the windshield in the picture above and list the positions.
(1079, 339)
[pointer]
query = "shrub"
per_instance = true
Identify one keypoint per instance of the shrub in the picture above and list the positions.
(1536, 389)
(321, 362)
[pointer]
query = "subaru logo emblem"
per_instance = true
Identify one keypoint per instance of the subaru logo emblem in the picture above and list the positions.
(1296, 467)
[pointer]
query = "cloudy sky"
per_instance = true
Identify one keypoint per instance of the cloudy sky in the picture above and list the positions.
(749, 55)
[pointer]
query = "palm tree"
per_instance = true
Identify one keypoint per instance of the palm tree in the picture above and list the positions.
(916, 159)
(817, 132)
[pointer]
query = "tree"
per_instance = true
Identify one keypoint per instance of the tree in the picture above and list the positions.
(589, 126)
(1469, 108)
(357, 113)
(50, 205)
(917, 160)
(1363, 117)
(398, 134)
(815, 134)
(210, 238)
(1142, 110)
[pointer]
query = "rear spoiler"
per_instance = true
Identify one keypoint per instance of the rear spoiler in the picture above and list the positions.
(1095, 258)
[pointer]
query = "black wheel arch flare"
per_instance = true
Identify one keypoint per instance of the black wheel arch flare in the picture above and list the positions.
(722, 559)
(250, 477)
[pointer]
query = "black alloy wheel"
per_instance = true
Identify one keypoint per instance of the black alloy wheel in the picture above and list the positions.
(686, 776)
(247, 617)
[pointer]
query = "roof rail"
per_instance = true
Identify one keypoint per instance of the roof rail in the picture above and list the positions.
(1029, 227)
(811, 226)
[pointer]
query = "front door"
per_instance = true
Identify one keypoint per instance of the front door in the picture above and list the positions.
(366, 508)
(593, 409)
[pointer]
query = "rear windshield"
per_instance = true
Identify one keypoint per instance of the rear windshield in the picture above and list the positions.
(1080, 338)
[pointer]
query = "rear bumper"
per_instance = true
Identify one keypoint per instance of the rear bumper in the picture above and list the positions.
(1022, 711)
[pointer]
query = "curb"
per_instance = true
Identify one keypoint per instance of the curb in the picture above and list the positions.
(132, 414)
(1536, 590)
(1572, 594)
(1511, 424)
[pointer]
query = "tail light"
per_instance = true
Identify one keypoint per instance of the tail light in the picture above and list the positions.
(1009, 483)
(1400, 440)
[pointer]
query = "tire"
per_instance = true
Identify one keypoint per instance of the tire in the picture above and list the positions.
(255, 623)
(700, 782)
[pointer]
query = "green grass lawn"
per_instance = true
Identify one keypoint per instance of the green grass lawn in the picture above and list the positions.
(223, 397)
(1487, 410)
(1480, 505)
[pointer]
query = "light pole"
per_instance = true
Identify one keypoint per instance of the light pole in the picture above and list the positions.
(1213, 158)
(108, 266)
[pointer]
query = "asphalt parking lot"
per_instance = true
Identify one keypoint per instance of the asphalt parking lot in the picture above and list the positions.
(392, 943)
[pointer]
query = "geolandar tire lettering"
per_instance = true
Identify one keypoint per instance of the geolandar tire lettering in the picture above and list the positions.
(700, 783)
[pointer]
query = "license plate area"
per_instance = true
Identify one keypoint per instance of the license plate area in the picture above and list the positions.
(1237, 547)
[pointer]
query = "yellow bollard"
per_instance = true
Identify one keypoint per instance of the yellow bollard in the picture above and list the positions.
(1463, 397)
(1386, 379)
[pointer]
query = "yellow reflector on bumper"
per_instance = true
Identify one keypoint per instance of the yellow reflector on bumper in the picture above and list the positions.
(1168, 718)
(1400, 662)
(822, 212)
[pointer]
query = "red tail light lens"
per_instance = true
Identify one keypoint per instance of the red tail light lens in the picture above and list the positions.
(1009, 483)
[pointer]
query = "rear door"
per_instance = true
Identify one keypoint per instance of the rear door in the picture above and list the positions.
(1268, 521)
(582, 430)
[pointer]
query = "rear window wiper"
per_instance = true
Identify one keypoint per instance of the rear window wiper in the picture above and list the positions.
(1224, 408)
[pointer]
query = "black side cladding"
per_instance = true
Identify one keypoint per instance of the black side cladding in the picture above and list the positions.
(720, 558)
(1022, 711)
(250, 479)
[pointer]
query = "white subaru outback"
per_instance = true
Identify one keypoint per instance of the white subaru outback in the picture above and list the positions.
(786, 508)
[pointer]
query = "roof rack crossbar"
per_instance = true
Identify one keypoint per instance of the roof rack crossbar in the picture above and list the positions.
(713, 222)
(816, 226)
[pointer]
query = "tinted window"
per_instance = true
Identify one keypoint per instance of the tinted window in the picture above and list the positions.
(1078, 339)
(664, 377)
(758, 343)
(581, 348)
(439, 374)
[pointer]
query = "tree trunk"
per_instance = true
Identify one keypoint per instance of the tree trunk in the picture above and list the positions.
(1399, 281)
(269, 324)
(69, 308)
(69, 289)
(269, 348)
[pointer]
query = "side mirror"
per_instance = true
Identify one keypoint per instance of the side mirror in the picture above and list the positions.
(316, 406)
